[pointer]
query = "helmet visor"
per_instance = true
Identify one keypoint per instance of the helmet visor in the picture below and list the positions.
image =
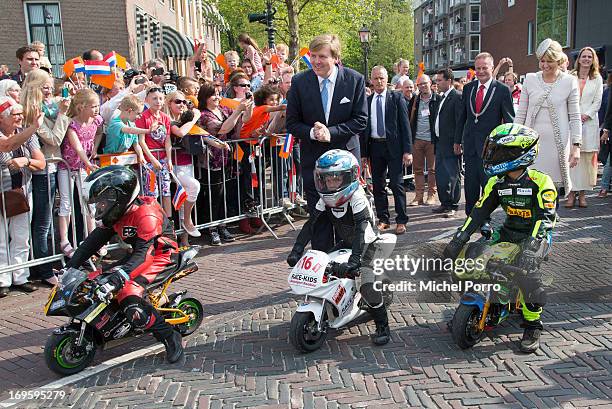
(495, 153)
(103, 203)
(332, 181)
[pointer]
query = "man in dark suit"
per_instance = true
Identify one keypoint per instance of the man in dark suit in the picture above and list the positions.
(386, 142)
(448, 164)
(326, 109)
(487, 103)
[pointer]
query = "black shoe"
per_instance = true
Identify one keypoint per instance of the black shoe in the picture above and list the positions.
(383, 333)
(450, 213)
(531, 340)
(439, 209)
(215, 240)
(174, 347)
(225, 235)
(4, 291)
(25, 287)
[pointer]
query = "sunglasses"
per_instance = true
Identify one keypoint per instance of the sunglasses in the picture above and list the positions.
(154, 89)
(180, 102)
(244, 85)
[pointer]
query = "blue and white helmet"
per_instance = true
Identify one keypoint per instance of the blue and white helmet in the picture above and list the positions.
(336, 177)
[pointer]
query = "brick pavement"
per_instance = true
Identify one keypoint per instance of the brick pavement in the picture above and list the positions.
(241, 357)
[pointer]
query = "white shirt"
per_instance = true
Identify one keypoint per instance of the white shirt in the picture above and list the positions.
(373, 116)
(437, 123)
(486, 88)
(330, 92)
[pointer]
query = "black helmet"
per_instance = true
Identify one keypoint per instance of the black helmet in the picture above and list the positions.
(509, 147)
(111, 190)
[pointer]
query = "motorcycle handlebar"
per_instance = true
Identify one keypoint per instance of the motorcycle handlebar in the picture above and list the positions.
(504, 268)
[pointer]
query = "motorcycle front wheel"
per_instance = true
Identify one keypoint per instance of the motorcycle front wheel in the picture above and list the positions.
(303, 332)
(465, 326)
(64, 357)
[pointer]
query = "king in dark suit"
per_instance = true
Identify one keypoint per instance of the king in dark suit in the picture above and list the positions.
(386, 142)
(487, 103)
(326, 109)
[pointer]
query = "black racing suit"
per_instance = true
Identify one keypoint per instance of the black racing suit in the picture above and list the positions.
(530, 203)
(352, 222)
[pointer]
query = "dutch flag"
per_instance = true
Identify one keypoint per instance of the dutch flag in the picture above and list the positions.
(305, 56)
(111, 59)
(78, 64)
(287, 146)
(179, 197)
(97, 68)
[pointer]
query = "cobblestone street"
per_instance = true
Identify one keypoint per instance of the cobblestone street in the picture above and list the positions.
(241, 357)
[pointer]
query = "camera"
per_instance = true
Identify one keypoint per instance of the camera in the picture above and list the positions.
(248, 95)
(129, 74)
(157, 71)
(140, 80)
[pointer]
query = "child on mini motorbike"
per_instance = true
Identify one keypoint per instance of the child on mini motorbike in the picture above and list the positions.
(529, 199)
(346, 205)
(140, 222)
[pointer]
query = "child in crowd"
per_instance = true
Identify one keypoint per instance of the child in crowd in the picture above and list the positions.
(122, 134)
(78, 148)
(251, 52)
(160, 161)
(189, 87)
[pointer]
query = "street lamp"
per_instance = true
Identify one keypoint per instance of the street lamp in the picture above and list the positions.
(364, 38)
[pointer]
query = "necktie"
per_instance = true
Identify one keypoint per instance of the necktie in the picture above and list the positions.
(380, 120)
(325, 95)
(479, 98)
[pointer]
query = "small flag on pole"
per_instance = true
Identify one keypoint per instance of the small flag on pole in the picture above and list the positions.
(421, 69)
(179, 197)
(471, 74)
(305, 56)
(97, 68)
(238, 153)
(74, 65)
(287, 147)
(111, 59)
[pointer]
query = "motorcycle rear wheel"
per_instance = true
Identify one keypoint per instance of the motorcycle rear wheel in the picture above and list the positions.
(303, 332)
(194, 309)
(62, 355)
(465, 326)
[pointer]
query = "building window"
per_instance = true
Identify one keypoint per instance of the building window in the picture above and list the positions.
(474, 46)
(552, 16)
(172, 4)
(474, 18)
(530, 30)
(45, 25)
(188, 11)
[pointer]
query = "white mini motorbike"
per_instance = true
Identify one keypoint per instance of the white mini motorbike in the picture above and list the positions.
(329, 302)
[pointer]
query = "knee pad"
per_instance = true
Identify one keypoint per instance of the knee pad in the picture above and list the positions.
(370, 297)
(137, 316)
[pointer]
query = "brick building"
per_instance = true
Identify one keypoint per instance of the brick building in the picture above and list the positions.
(514, 28)
(137, 29)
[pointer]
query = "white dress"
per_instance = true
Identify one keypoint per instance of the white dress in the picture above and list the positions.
(584, 175)
(554, 112)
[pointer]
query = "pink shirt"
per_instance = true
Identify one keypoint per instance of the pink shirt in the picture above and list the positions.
(87, 135)
(157, 139)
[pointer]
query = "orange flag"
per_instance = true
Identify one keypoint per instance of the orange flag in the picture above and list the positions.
(238, 153)
(107, 81)
(421, 69)
(470, 75)
(275, 61)
(229, 103)
(121, 61)
(73, 65)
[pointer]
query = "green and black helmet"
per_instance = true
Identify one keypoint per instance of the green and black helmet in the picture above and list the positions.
(509, 147)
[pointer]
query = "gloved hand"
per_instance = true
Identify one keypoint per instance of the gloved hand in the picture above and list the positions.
(346, 270)
(453, 248)
(105, 292)
(530, 258)
(294, 257)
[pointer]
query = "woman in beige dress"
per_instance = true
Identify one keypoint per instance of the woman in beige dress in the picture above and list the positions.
(590, 84)
(549, 104)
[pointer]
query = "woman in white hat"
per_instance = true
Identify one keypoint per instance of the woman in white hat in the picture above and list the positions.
(550, 104)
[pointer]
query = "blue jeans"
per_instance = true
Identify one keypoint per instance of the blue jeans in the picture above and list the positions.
(606, 178)
(43, 197)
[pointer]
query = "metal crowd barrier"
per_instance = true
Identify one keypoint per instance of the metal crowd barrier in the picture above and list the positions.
(269, 169)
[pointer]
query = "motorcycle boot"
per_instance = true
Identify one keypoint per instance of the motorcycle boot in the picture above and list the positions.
(174, 347)
(383, 332)
(531, 339)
